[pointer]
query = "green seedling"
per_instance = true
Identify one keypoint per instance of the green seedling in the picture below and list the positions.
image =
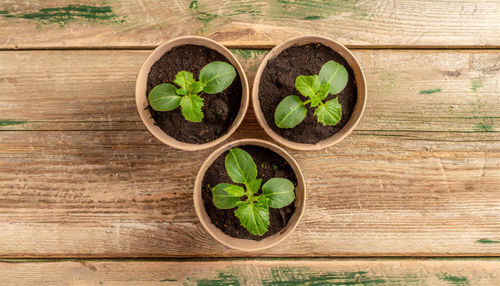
(214, 78)
(253, 212)
(332, 79)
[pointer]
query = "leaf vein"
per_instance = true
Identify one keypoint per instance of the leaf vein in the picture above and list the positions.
(286, 116)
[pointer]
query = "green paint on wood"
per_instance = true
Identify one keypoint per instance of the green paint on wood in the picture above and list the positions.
(429, 91)
(245, 54)
(193, 4)
(318, 9)
(238, 8)
(301, 276)
(478, 117)
(70, 13)
(206, 17)
(487, 241)
(476, 83)
(252, 57)
(244, 11)
(313, 17)
(11, 122)
(200, 15)
(483, 127)
(223, 279)
(454, 280)
(249, 53)
(315, 4)
(273, 11)
(486, 122)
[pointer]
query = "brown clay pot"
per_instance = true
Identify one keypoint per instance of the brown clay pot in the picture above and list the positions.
(248, 244)
(142, 102)
(361, 94)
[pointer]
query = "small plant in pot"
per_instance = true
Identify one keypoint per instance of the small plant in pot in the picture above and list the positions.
(191, 93)
(249, 194)
(292, 110)
(252, 208)
(215, 77)
(309, 93)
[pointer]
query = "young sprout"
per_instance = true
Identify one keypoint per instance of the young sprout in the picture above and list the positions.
(332, 79)
(214, 78)
(253, 212)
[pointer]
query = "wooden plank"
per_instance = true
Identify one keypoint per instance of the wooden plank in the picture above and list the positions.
(254, 272)
(422, 90)
(122, 194)
(80, 176)
(128, 23)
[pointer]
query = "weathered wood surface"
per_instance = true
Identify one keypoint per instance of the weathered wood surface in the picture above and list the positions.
(424, 90)
(254, 272)
(81, 177)
(129, 23)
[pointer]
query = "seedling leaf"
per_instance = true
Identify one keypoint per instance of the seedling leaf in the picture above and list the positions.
(255, 185)
(324, 91)
(254, 216)
(279, 191)
(307, 85)
(191, 108)
(217, 76)
(227, 196)
(289, 112)
(240, 166)
(184, 79)
(196, 87)
(163, 97)
(329, 113)
(182, 91)
(335, 74)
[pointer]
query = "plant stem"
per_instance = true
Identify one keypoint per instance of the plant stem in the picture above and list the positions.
(250, 196)
(248, 193)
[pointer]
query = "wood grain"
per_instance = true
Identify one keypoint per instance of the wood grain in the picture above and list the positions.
(424, 90)
(121, 194)
(128, 23)
(253, 272)
(81, 177)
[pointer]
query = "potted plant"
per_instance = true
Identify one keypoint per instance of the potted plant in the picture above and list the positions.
(191, 93)
(249, 194)
(309, 93)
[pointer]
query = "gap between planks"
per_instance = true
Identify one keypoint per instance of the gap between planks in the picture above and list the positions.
(246, 258)
(256, 47)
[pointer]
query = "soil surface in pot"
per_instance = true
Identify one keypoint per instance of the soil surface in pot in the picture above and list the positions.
(219, 110)
(269, 165)
(278, 82)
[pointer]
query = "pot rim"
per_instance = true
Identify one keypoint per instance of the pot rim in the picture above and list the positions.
(142, 102)
(248, 244)
(360, 100)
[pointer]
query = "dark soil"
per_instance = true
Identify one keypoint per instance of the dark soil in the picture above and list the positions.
(219, 110)
(269, 165)
(278, 82)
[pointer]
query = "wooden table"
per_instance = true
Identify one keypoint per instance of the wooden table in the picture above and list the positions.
(89, 197)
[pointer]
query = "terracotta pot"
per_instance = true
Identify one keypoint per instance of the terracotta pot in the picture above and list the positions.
(358, 109)
(142, 102)
(248, 244)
